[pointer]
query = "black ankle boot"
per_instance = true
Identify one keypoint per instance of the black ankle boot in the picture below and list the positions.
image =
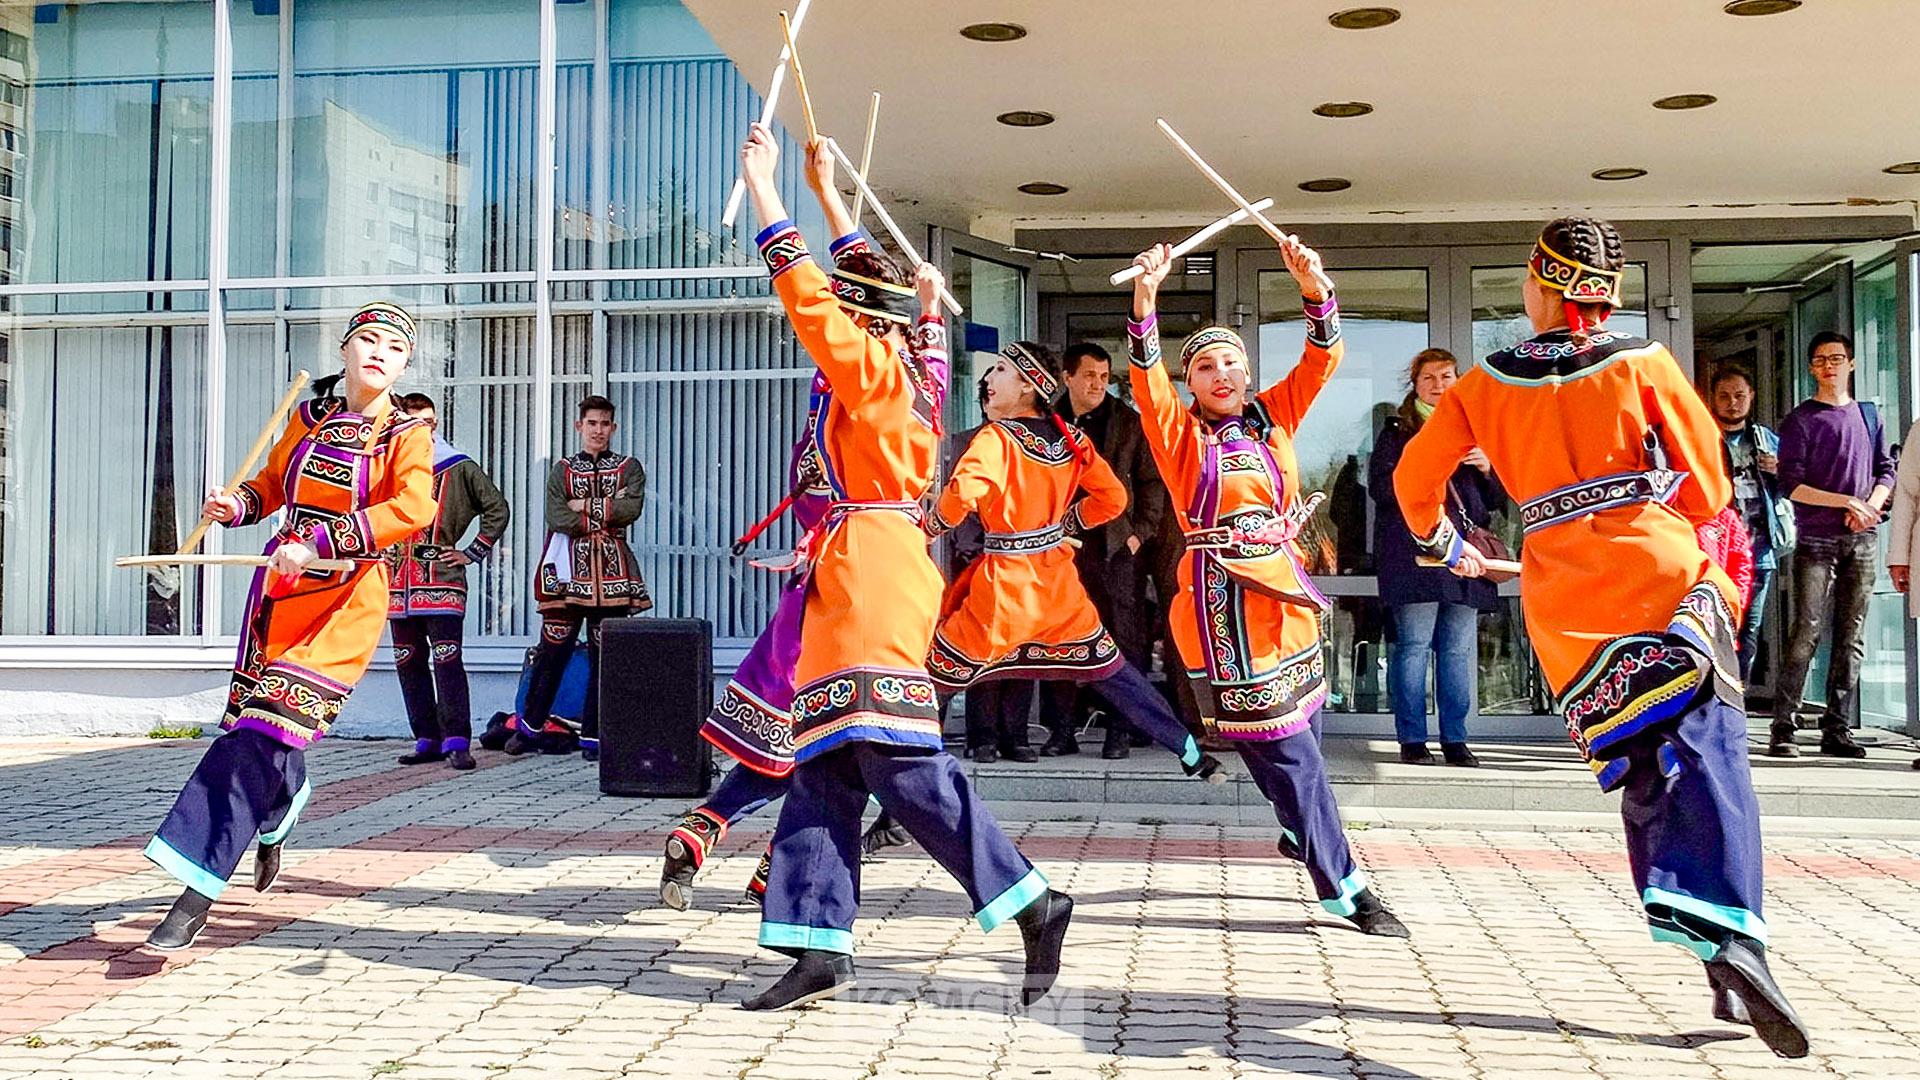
(1208, 768)
(1740, 968)
(883, 834)
(461, 760)
(184, 921)
(1289, 848)
(1115, 747)
(1727, 1008)
(1457, 753)
(1372, 917)
(817, 974)
(1043, 929)
(266, 865)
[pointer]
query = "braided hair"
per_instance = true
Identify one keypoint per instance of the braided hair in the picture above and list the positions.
(1595, 243)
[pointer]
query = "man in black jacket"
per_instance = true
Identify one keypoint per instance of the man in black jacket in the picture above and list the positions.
(1112, 560)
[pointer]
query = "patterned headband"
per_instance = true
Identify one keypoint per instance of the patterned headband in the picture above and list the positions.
(1206, 338)
(1031, 369)
(1578, 282)
(878, 299)
(385, 315)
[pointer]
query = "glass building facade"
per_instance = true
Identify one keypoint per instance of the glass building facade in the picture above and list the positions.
(193, 195)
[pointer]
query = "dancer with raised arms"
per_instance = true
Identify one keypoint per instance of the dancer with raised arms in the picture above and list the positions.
(1246, 620)
(864, 711)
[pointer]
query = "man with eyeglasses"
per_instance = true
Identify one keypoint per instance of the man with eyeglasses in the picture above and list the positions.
(1835, 466)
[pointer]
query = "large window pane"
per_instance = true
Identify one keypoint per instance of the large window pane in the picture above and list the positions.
(715, 448)
(995, 296)
(653, 193)
(106, 143)
(1500, 316)
(413, 129)
(102, 439)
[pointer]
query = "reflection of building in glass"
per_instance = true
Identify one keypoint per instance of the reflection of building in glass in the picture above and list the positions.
(387, 203)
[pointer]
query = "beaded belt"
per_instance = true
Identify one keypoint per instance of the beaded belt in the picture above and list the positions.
(1032, 542)
(1602, 493)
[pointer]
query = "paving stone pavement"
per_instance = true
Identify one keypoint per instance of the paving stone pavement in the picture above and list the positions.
(501, 923)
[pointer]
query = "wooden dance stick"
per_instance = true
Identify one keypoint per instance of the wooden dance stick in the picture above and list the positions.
(201, 559)
(866, 157)
(766, 115)
(800, 81)
(260, 443)
(1220, 182)
(1494, 566)
(886, 219)
(1195, 240)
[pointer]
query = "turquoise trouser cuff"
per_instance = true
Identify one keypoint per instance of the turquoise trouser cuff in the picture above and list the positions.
(1015, 900)
(189, 873)
(790, 936)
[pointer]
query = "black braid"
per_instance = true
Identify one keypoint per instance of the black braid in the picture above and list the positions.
(1591, 241)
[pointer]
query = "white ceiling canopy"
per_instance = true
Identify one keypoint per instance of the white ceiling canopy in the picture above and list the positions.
(1481, 108)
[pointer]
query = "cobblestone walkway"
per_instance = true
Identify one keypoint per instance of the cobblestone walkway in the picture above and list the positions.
(502, 924)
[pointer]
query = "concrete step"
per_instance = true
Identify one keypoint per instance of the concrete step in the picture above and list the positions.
(1524, 778)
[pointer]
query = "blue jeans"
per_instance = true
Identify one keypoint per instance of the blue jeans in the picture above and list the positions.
(1756, 618)
(1451, 632)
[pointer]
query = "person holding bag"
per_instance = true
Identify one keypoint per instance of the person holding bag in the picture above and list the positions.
(1435, 612)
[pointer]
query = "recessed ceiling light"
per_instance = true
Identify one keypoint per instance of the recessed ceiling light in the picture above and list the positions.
(994, 32)
(1025, 118)
(1364, 18)
(1685, 101)
(1759, 7)
(1042, 187)
(1903, 168)
(1622, 173)
(1326, 184)
(1341, 110)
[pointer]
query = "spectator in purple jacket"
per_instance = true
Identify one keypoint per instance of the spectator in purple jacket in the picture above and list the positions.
(1835, 466)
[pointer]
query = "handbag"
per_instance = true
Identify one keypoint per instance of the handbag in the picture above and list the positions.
(1484, 540)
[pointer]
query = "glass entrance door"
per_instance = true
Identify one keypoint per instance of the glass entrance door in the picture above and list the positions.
(1486, 286)
(996, 286)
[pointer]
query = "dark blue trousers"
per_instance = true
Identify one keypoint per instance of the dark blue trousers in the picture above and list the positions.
(1141, 707)
(743, 792)
(1693, 830)
(1293, 776)
(813, 892)
(246, 786)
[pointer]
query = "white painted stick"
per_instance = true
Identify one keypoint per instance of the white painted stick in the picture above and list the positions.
(886, 219)
(1194, 241)
(866, 156)
(1497, 566)
(202, 559)
(766, 114)
(1220, 182)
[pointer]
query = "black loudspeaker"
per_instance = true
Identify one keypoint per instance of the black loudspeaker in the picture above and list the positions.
(656, 687)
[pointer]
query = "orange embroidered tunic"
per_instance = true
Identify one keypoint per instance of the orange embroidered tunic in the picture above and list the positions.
(1615, 462)
(873, 595)
(1247, 617)
(1019, 611)
(350, 485)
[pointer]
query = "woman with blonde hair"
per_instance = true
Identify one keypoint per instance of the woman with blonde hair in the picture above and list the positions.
(1435, 613)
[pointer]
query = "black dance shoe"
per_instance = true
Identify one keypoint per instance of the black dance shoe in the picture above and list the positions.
(1208, 768)
(1456, 753)
(461, 760)
(1043, 930)
(817, 974)
(687, 847)
(1728, 1009)
(883, 834)
(1289, 848)
(757, 884)
(1740, 968)
(1372, 917)
(1415, 753)
(184, 921)
(266, 865)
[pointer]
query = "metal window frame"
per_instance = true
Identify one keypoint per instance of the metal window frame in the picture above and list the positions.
(208, 648)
